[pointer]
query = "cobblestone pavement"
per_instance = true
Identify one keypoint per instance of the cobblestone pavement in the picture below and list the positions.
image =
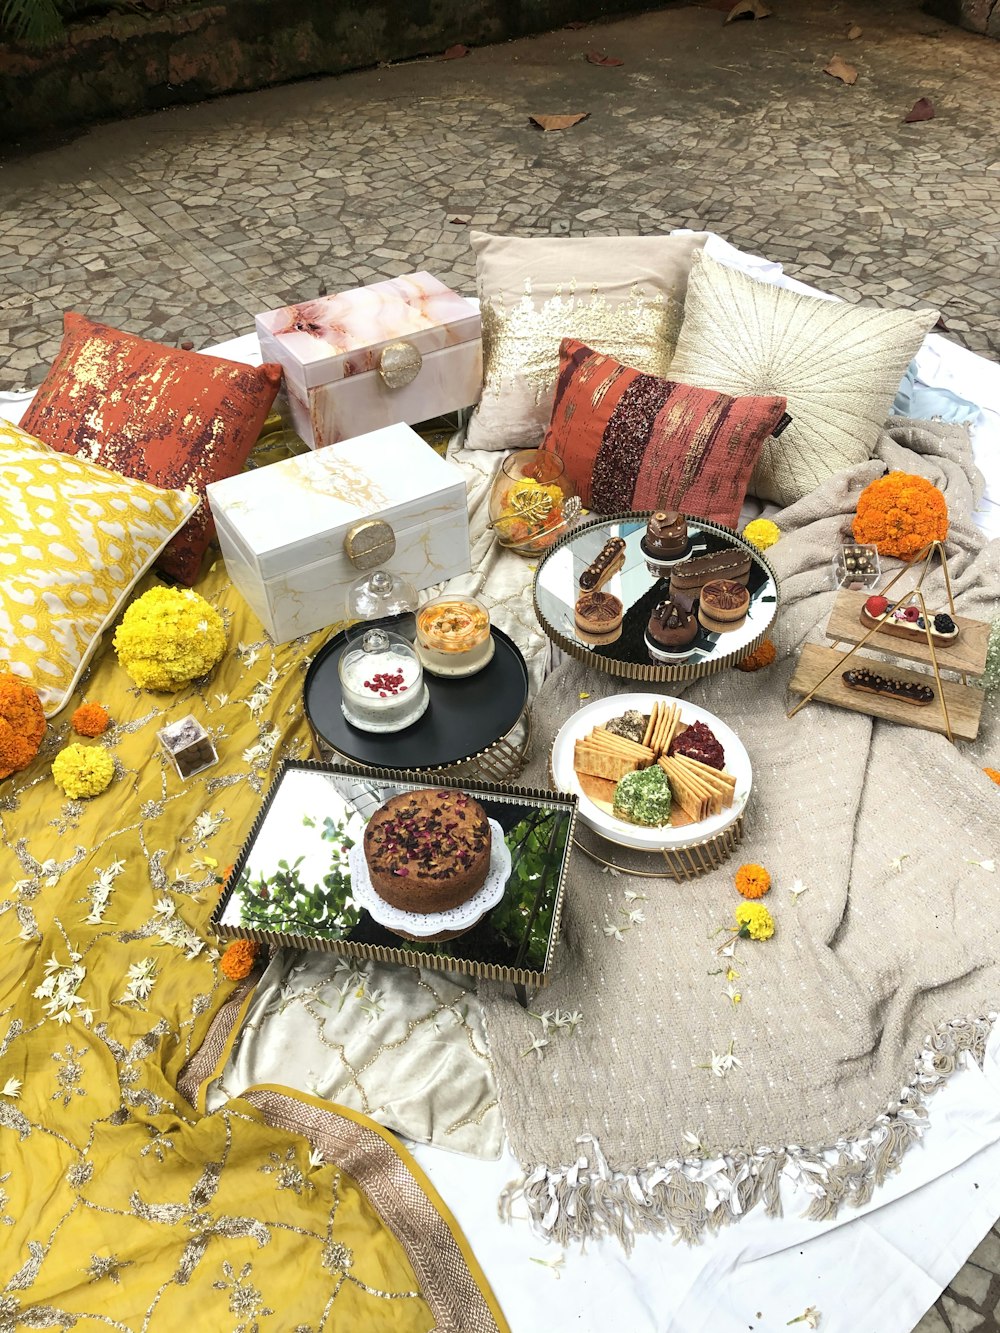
(182, 225)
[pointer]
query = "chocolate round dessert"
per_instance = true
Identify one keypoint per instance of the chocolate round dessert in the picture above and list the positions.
(666, 540)
(671, 629)
(598, 617)
(723, 605)
(428, 851)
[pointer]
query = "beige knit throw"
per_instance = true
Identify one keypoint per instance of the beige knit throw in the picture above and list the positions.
(885, 964)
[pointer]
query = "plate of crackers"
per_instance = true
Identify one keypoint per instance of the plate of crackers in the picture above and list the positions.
(651, 772)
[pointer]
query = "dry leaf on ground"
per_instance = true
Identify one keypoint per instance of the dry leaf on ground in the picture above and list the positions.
(455, 52)
(748, 9)
(853, 32)
(840, 69)
(460, 220)
(922, 109)
(596, 58)
(558, 122)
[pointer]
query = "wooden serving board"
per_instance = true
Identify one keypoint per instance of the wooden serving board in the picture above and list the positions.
(967, 653)
(965, 702)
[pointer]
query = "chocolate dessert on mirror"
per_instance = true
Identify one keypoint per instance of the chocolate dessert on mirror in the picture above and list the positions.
(428, 851)
(691, 575)
(666, 541)
(598, 617)
(671, 630)
(723, 605)
(609, 560)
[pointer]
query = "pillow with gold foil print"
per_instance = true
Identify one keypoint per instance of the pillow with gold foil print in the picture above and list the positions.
(75, 540)
(621, 295)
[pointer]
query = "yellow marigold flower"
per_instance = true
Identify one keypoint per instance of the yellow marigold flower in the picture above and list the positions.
(238, 960)
(83, 770)
(993, 774)
(169, 636)
(752, 881)
(90, 720)
(755, 920)
(762, 533)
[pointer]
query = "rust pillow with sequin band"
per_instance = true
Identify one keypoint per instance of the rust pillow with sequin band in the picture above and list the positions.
(174, 419)
(635, 441)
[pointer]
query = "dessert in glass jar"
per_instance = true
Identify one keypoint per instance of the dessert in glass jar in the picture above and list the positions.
(381, 683)
(453, 636)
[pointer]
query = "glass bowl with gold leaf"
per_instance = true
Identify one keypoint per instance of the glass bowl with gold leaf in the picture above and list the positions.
(532, 502)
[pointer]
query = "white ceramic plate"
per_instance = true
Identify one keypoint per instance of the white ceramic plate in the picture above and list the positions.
(634, 835)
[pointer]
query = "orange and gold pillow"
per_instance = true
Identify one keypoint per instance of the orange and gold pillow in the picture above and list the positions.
(635, 441)
(171, 418)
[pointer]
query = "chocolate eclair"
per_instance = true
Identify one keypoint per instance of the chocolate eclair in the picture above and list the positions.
(608, 561)
(871, 683)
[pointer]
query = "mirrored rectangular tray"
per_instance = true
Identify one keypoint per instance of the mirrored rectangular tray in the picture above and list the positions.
(291, 887)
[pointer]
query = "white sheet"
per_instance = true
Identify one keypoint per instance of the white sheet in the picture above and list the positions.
(874, 1271)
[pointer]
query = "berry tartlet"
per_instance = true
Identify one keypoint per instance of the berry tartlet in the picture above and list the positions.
(904, 621)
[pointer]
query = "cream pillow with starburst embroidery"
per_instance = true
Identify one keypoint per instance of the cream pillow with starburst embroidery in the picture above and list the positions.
(622, 295)
(837, 365)
(74, 541)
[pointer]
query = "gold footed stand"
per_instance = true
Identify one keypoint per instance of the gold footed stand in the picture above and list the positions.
(680, 863)
(500, 762)
(961, 717)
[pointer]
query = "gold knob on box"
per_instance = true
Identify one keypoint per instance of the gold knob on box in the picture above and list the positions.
(369, 543)
(399, 365)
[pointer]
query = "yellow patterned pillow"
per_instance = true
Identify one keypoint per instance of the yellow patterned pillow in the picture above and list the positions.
(74, 541)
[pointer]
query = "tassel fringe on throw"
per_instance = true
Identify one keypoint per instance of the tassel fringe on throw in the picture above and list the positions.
(696, 1195)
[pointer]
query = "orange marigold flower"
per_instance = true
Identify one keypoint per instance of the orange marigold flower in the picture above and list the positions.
(901, 514)
(90, 720)
(238, 960)
(761, 657)
(752, 881)
(22, 724)
(993, 774)
(222, 878)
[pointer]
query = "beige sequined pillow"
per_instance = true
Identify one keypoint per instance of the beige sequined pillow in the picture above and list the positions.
(838, 366)
(623, 295)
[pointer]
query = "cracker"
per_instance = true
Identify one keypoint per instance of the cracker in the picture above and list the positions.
(651, 725)
(694, 799)
(601, 763)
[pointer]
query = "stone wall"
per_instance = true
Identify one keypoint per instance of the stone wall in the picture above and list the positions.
(125, 64)
(976, 15)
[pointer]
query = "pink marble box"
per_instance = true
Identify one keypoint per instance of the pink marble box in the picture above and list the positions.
(405, 351)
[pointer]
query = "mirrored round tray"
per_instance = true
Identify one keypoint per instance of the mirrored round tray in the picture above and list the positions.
(557, 586)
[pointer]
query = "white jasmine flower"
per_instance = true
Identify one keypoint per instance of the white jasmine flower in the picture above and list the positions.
(537, 1044)
(896, 864)
(554, 1264)
(222, 700)
(614, 932)
(316, 1158)
(605, 870)
(721, 1064)
(636, 915)
(632, 896)
(571, 1019)
(12, 1088)
(797, 890)
(988, 865)
(733, 992)
(693, 1142)
(810, 1316)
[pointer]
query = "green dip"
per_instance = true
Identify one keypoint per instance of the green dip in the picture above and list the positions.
(643, 797)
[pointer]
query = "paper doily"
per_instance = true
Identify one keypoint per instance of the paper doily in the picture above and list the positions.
(432, 923)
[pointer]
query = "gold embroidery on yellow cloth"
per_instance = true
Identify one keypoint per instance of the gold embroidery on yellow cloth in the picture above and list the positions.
(119, 1201)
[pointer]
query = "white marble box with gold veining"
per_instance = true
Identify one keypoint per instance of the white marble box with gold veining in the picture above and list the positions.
(404, 350)
(282, 527)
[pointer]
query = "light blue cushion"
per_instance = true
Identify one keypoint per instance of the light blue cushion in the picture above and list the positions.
(924, 403)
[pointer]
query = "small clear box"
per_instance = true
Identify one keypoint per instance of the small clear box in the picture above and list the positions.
(188, 745)
(856, 566)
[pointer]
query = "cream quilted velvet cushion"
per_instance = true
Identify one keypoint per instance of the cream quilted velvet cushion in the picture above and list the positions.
(74, 540)
(838, 365)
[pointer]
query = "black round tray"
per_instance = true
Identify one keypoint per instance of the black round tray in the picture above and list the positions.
(464, 717)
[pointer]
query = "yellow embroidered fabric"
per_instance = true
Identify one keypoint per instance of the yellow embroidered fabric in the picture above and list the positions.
(75, 539)
(121, 1204)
